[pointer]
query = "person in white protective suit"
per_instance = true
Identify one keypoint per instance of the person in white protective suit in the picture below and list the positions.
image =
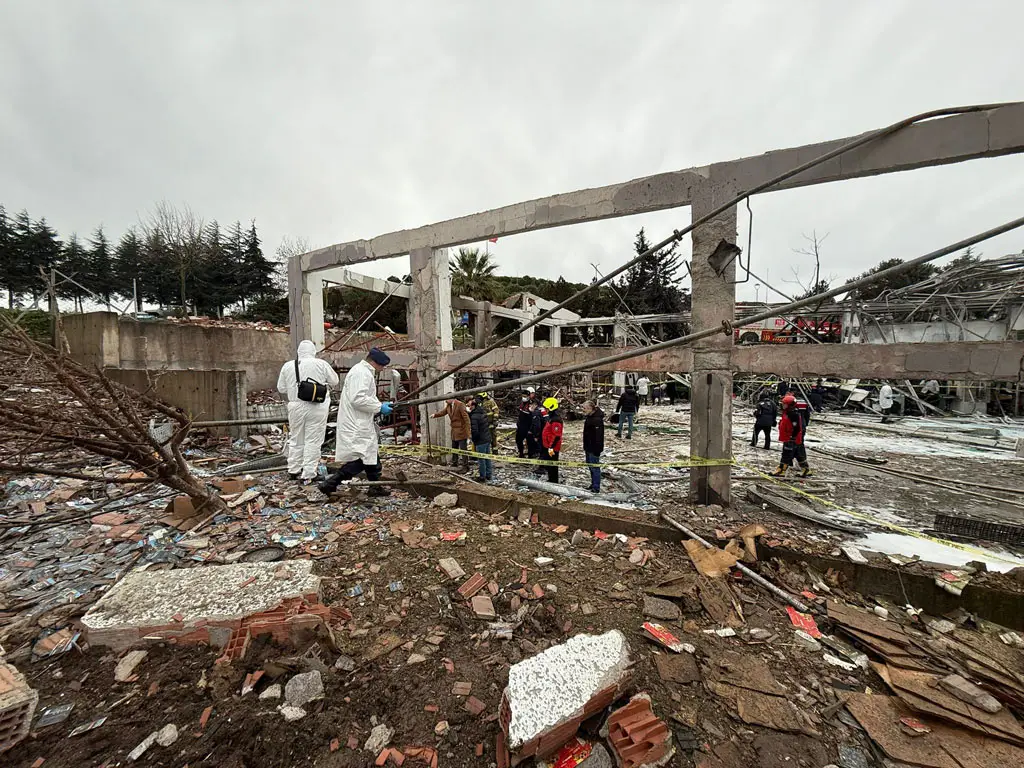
(307, 421)
(357, 434)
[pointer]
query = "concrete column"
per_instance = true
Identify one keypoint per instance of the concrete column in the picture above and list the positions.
(482, 327)
(430, 328)
(619, 335)
(314, 301)
(526, 338)
(714, 300)
(556, 335)
(298, 302)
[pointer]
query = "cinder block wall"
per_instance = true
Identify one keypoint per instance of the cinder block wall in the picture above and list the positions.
(105, 340)
(212, 395)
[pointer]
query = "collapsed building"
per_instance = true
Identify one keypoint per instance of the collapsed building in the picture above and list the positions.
(696, 612)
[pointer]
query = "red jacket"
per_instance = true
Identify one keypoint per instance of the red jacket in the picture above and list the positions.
(551, 437)
(791, 428)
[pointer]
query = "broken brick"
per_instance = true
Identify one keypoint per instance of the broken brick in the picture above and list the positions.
(474, 584)
(382, 757)
(483, 607)
(335, 745)
(538, 591)
(637, 736)
(462, 689)
(474, 706)
(352, 743)
(397, 757)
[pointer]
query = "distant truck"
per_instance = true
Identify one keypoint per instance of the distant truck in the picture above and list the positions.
(777, 330)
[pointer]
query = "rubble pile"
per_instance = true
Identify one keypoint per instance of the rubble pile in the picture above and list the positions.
(419, 630)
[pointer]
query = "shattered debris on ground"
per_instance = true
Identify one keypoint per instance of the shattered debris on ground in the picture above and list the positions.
(290, 629)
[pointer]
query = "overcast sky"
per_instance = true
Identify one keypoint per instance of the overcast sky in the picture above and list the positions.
(340, 120)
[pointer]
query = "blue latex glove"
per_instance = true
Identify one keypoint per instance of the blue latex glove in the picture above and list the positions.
(385, 409)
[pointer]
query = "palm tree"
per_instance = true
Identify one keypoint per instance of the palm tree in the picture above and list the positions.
(473, 274)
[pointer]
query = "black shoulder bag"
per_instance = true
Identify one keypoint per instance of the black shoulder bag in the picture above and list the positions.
(309, 390)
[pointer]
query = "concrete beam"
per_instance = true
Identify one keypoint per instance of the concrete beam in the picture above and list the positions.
(934, 142)
(968, 360)
(351, 279)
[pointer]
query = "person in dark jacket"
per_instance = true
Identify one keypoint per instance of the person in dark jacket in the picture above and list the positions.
(671, 392)
(539, 416)
(781, 389)
(791, 435)
(593, 442)
(817, 396)
(551, 438)
(627, 408)
(765, 415)
(480, 432)
(524, 420)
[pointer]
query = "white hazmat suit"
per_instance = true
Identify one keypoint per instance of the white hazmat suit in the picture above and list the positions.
(357, 434)
(307, 422)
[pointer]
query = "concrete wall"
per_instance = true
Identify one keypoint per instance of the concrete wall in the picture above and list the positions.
(974, 330)
(102, 339)
(968, 360)
(212, 395)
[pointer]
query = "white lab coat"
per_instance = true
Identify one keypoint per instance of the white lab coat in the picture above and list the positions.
(643, 386)
(357, 435)
(307, 422)
(885, 397)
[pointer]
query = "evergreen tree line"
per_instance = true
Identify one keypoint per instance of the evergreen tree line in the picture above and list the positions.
(173, 259)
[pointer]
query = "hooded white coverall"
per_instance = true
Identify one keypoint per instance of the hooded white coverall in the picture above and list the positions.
(357, 434)
(307, 422)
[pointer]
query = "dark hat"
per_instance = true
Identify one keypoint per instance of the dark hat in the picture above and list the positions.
(377, 356)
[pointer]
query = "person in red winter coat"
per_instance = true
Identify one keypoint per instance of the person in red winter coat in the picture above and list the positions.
(551, 437)
(791, 435)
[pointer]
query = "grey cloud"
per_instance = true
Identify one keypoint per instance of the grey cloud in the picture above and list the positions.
(336, 121)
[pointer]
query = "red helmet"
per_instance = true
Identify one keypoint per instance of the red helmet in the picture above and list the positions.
(788, 400)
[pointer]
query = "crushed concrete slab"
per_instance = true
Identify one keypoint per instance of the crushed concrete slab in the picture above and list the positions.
(291, 713)
(445, 500)
(550, 694)
(272, 692)
(304, 688)
(151, 601)
(379, 738)
(657, 608)
(167, 735)
(145, 744)
(125, 669)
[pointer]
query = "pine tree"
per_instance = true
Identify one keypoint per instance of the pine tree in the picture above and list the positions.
(44, 254)
(74, 265)
(128, 267)
(216, 279)
(652, 286)
(158, 278)
(258, 274)
(100, 270)
(8, 258)
(18, 277)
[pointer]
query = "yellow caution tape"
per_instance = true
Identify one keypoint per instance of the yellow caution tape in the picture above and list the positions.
(399, 450)
(878, 521)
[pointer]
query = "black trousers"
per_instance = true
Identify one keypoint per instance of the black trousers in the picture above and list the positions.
(457, 458)
(522, 441)
(790, 451)
(350, 470)
(551, 468)
(767, 436)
